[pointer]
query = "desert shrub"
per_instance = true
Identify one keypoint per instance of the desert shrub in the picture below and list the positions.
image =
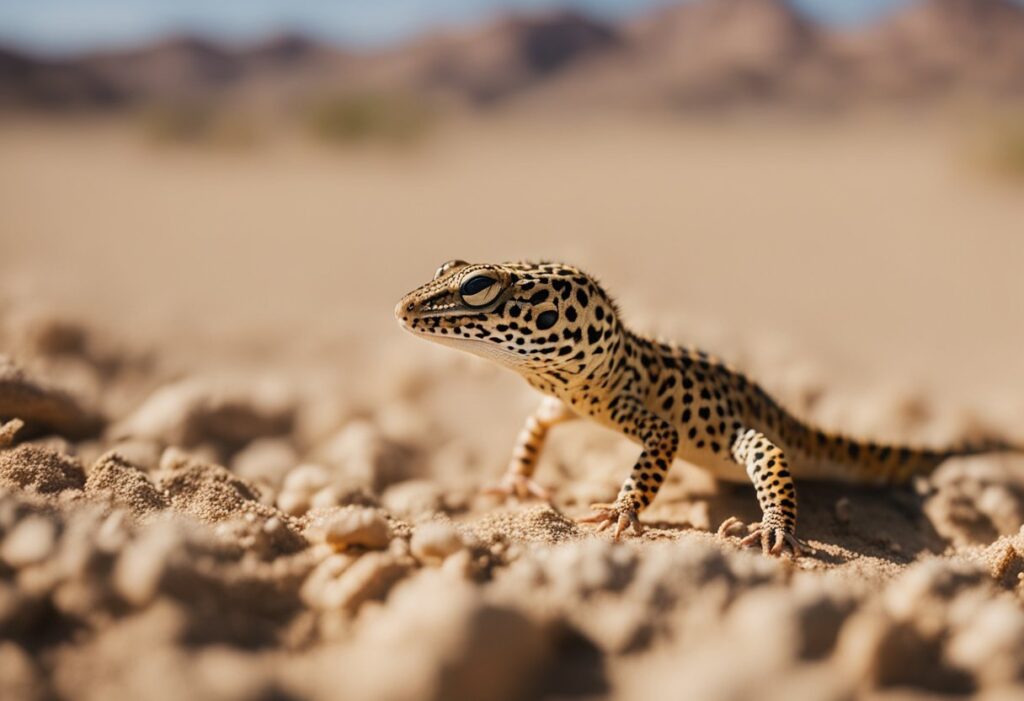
(352, 119)
(1006, 150)
(199, 124)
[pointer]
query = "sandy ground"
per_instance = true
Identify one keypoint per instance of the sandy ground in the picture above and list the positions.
(259, 488)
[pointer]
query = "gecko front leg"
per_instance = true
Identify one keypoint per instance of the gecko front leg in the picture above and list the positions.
(661, 442)
(518, 480)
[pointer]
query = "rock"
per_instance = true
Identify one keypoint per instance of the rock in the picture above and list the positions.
(314, 487)
(44, 408)
(265, 460)
(435, 541)
(142, 453)
(49, 335)
(8, 431)
(126, 485)
(357, 581)
(299, 487)
(413, 499)
(882, 652)
(19, 611)
(989, 642)
(1002, 507)
(315, 590)
(293, 503)
(477, 650)
(31, 541)
(1002, 559)
(350, 526)
(40, 469)
(842, 510)
(307, 479)
(336, 495)
(361, 455)
(196, 411)
(232, 675)
(140, 568)
(921, 592)
(405, 423)
(19, 678)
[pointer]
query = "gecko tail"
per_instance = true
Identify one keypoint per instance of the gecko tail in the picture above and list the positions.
(898, 465)
(834, 456)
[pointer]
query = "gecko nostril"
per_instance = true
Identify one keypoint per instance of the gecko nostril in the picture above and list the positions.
(408, 307)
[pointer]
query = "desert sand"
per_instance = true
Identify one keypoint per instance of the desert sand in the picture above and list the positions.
(237, 478)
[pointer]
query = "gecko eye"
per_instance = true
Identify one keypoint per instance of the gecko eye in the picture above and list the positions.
(479, 290)
(449, 266)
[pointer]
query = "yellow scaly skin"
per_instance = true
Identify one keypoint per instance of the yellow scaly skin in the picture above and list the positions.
(557, 327)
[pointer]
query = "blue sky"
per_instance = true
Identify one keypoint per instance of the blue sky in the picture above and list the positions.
(69, 25)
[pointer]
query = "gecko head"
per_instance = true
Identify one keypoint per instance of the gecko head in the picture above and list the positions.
(531, 317)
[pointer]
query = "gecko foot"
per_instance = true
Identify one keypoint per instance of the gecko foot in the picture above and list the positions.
(518, 486)
(773, 540)
(622, 515)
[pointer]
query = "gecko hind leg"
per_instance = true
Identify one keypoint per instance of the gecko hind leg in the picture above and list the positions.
(776, 493)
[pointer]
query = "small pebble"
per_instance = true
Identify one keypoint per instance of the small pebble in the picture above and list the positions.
(842, 509)
(30, 542)
(351, 526)
(435, 541)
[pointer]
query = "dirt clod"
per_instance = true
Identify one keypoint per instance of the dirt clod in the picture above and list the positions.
(348, 527)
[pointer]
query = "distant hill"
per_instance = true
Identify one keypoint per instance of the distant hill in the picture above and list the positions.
(708, 53)
(941, 46)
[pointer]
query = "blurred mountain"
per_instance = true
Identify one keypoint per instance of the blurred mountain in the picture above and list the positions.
(30, 82)
(704, 53)
(696, 54)
(510, 56)
(940, 47)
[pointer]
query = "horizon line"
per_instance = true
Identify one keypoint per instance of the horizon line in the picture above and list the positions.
(375, 38)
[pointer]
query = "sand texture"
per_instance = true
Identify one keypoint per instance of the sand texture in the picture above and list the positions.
(151, 570)
(225, 473)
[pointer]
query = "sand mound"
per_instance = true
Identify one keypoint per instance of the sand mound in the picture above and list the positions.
(127, 485)
(211, 494)
(40, 469)
(208, 492)
(535, 524)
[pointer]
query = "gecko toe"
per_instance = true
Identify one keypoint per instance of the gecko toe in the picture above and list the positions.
(623, 517)
(520, 487)
(729, 525)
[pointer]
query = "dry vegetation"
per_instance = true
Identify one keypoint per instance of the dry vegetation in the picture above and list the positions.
(354, 119)
(200, 124)
(1007, 149)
